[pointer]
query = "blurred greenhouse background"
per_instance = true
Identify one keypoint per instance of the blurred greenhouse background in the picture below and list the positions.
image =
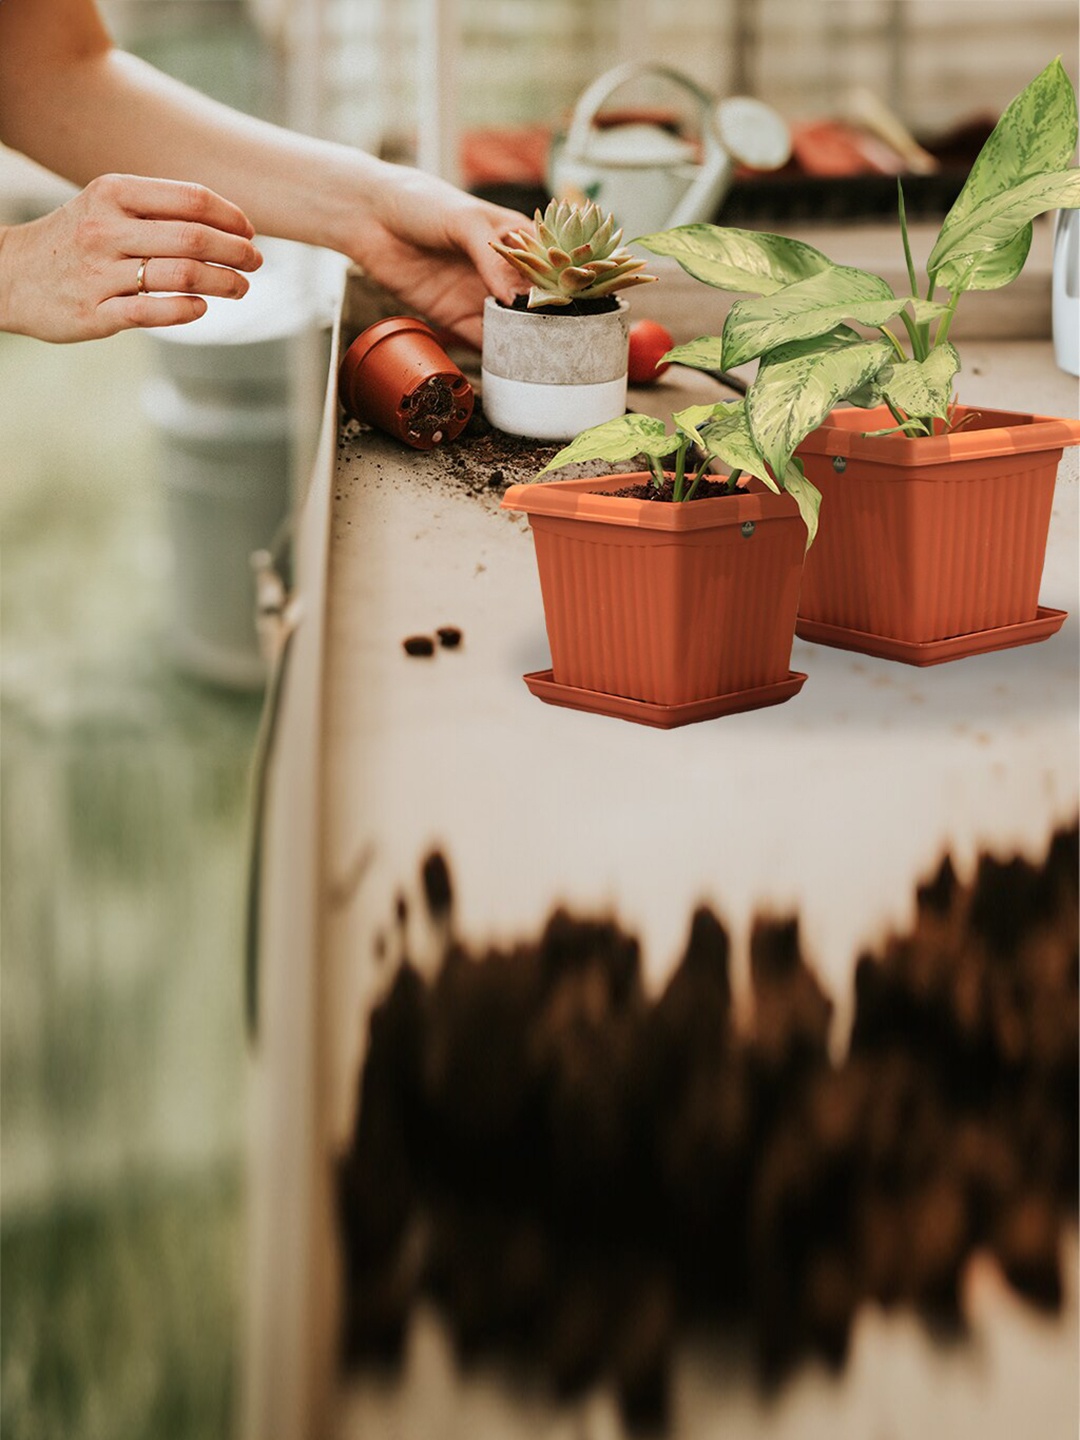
(124, 824)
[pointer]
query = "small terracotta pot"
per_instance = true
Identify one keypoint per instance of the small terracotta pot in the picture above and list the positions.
(396, 376)
(931, 548)
(664, 613)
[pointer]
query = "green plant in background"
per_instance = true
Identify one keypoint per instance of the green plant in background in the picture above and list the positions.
(801, 309)
(576, 254)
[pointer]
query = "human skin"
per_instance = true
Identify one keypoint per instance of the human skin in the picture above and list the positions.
(85, 109)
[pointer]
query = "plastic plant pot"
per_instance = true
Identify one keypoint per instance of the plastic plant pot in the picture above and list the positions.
(664, 614)
(396, 376)
(932, 548)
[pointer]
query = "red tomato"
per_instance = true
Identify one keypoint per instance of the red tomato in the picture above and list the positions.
(648, 341)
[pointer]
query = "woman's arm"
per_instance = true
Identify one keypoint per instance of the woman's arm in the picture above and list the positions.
(75, 103)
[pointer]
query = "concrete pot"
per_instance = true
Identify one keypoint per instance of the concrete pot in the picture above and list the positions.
(551, 375)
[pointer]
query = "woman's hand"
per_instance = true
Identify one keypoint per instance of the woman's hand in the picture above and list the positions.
(79, 273)
(430, 244)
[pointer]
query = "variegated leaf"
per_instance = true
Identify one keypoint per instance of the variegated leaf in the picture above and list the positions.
(922, 387)
(991, 271)
(805, 494)
(616, 441)
(997, 221)
(1035, 135)
(702, 354)
(746, 261)
(925, 310)
(726, 437)
(799, 384)
(693, 417)
(804, 311)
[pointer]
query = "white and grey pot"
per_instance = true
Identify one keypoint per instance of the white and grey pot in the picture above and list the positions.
(551, 376)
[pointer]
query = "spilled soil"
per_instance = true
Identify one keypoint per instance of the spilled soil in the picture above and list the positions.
(483, 462)
(576, 1172)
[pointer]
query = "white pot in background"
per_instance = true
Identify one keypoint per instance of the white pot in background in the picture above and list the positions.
(233, 404)
(1065, 313)
(550, 376)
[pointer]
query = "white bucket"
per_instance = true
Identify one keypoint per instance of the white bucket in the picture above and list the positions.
(227, 405)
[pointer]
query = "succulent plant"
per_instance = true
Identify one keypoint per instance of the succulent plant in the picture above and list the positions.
(576, 254)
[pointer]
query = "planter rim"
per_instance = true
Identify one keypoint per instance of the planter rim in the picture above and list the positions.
(558, 314)
(366, 341)
(578, 500)
(1011, 433)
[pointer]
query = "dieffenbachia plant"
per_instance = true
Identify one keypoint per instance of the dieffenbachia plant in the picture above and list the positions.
(703, 433)
(801, 309)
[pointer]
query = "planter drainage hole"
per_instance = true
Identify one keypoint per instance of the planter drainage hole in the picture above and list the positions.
(748, 527)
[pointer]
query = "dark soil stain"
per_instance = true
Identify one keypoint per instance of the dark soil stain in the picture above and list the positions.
(576, 1172)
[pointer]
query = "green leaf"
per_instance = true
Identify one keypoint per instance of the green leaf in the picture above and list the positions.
(616, 441)
(702, 354)
(804, 311)
(991, 271)
(748, 261)
(996, 222)
(726, 437)
(694, 416)
(799, 384)
(924, 310)
(806, 495)
(922, 387)
(868, 395)
(1035, 135)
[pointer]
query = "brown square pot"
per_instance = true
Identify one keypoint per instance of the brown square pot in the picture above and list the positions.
(926, 539)
(665, 604)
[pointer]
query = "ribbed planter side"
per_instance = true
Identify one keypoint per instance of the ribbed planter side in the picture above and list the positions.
(671, 616)
(921, 552)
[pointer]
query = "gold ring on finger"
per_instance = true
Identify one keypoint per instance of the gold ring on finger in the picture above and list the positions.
(140, 278)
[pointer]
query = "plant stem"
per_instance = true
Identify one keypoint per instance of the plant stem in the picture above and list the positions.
(893, 341)
(916, 335)
(947, 319)
(680, 469)
(658, 473)
(697, 477)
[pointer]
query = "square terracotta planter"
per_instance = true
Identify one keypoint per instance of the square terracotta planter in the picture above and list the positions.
(931, 549)
(662, 613)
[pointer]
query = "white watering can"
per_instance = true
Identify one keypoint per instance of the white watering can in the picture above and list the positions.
(647, 177)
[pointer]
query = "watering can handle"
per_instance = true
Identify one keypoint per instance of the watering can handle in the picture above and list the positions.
(705, 191)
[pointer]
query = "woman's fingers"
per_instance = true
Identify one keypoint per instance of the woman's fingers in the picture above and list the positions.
(188, 277)
(188, 240)
(148, 312)
(87, 269)
(150, 199)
